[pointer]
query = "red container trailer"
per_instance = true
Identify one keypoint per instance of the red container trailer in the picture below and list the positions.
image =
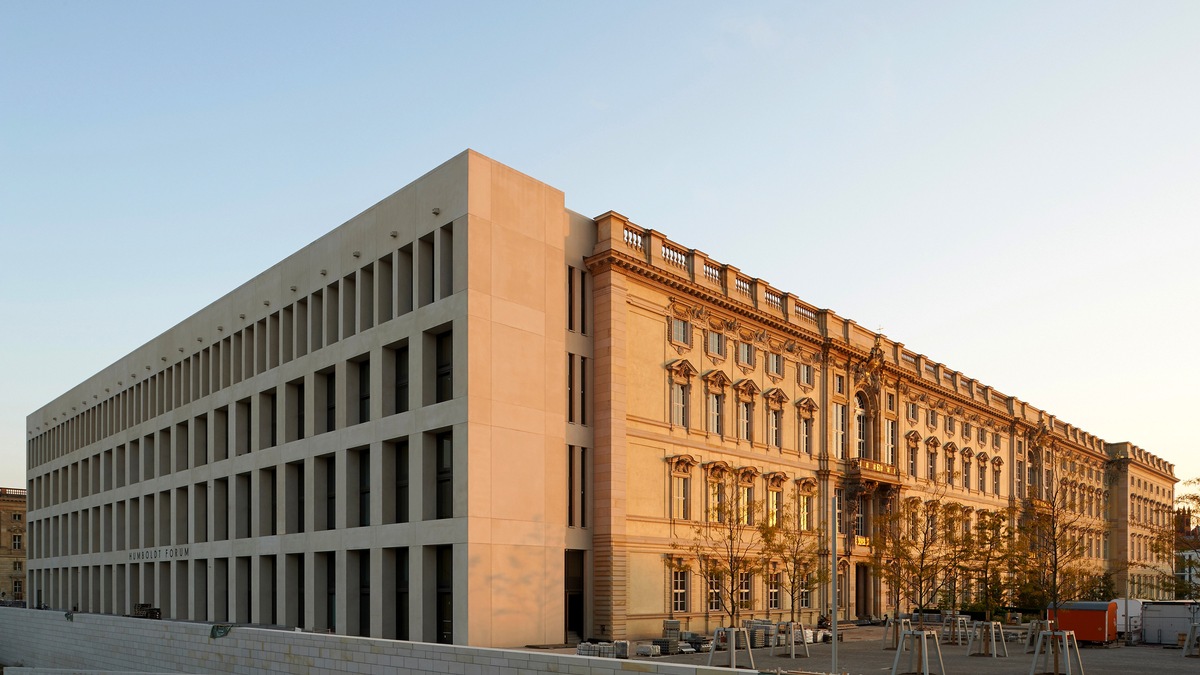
(1091, 621)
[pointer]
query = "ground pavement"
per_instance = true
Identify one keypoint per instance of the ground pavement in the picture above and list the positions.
(862, 653)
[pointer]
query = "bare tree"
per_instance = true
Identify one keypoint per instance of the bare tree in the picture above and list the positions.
(789, 542)
(992, 555)
(912, 552)
(1178, 541)
(1053, 529)
(726, 547)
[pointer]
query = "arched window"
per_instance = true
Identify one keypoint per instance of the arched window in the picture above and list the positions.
(862, 424)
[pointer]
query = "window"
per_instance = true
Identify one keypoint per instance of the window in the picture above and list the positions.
(950, 471)
(839, 430)
(839, 384)
(18, 589)
(17, 516)
(745, 583)
(716, 406)
(933, 464)
(681, 497)
(982, 476)
(806, 374)
(445, 366)
(745, 501)
(716, 343)
(444, 491)
(774, 507)
(775, 428)
(891, 402)
(996, 481)
(995, 440)
(679, 591)
(889, 442)
(746, 354)
(773, 591)
(912, 411)
(966, 430)
(805, 436)
(912, 461)
(932, 418)
(364, 391)
(401, 388)
(982, 436)
(805, 600)
(949, 424)
(805, 505)
(679, 404)
(17, 566)
(746, 420)
(716, 501)
(774, 363)
(16, 542)
(862, 426)
(966, 473)
(1019, 477)
(714, 593)
(681, 332)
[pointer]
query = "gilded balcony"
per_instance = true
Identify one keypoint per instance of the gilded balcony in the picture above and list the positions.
(871, 470)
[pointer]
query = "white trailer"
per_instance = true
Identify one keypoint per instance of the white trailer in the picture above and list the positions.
(1135, 615)
(1163, 621)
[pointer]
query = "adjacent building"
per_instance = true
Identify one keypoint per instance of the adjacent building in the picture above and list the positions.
(472, 415)
(12, 546)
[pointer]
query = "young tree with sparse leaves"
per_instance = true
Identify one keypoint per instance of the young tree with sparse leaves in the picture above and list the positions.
(795, 550)
(726, 544)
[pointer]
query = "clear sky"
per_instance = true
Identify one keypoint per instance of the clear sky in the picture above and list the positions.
(1011, 188)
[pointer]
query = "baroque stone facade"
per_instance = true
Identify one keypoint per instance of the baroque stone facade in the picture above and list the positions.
(373, 438)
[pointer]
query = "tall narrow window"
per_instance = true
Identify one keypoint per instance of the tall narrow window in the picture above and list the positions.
(364, 486)
(805, 435)
(570, 388)
(746, 354)
(774, 506)
(330, 401)
(716, 406)
(745, 583)
(950, 470)
(364, 391)
(401, 463)
(773, 590)
(805, 507)
(933, 465)
(745, 504)
(679, 404)
(1019, 477)
(982, 476)
(679, 601)
(445, 366)
(912, 461)
(996, 481)
(775, 428)
(839, 430)
(401, 385)
(714, 593)
(861, 427)
(444, 452)
(889, 440)
(681, 502)
(746, 420)
(806, 374)
(966, 473)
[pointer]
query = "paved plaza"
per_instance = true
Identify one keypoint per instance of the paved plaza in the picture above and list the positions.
(862, 652)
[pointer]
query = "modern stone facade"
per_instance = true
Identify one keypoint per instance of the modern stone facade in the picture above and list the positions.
(471, 415)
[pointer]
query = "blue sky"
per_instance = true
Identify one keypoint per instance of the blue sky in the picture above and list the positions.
(1008, 188)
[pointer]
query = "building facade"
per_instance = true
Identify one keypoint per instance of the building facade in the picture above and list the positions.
(12, 545)
(471, 415)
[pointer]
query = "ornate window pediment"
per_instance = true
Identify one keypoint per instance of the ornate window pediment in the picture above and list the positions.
(776, 480)
(997, 460)
(913, 437)
(806, 485)
(716, 381)
(716, 470)
(746, 389)
(933, 442)
(982, 456)
(775, 398)
(681, 371)
(912, 501)
(807, 407)
(682, 464)
(967, 453)
(950, 448)
(747, 474)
